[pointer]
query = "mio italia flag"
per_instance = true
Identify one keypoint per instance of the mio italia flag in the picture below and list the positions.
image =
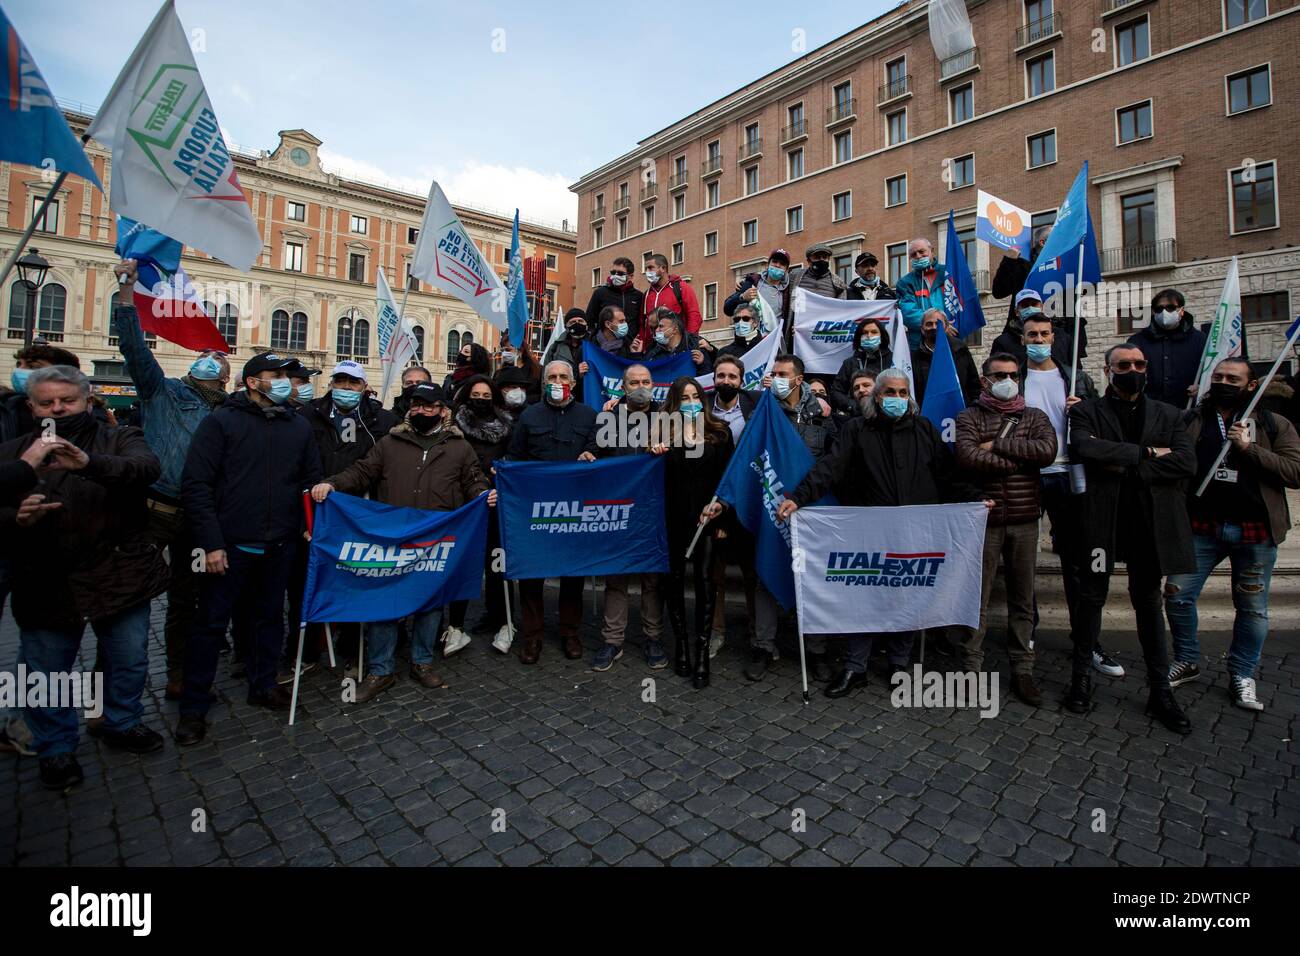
(1001, 224)
(1224, 338)
(33, 131)
(882, 570)
(171, 167)
(582, 518)
(165, 300)
(397, 344)
(375, 562)
(824, 327)
(446, 256)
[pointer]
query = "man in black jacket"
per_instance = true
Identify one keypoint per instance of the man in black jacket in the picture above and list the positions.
(558, 428)
(745, 328)
(867, 284)
(1172, 345)
(671, 338)
(1138, 456)
(618, 292)
(967, 374)
(248, 465)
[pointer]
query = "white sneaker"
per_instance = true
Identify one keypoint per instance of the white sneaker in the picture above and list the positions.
(1243, 693)
(15, 737)
(453, 640)
(1103, 663)
(715, 644)
(504, 638)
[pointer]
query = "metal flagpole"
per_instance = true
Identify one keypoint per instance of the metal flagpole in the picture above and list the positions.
(699, 528)
(329, 644)
(803, 657)
(1259, 393)
(297, 674)
(31, 227)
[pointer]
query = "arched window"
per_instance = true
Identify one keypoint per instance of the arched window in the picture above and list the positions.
(17, 309)
(466, 338)
(453, 345)
(343, 340)
(279, 329)
(288, 333)
(418, 332)
(228, 325)
(53, 303)
(361, 339)
(298, 332)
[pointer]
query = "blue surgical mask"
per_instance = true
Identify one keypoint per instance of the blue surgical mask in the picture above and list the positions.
(19, 380)
(920, 265)
(872, 282)
(743, 329)
(345, 399)
(1038, 353)
(871, 343)
(661, 338)
(206, 369)
(894, 407)
(781, 387)
(306, 392)
(621, 330)
(691, 409)
(280, 390)
(775, 273)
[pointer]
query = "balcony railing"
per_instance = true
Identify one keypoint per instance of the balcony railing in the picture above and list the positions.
(842, 110)
(623, 202)
(750, 148)
(710, 166)
(1113, 5)
(796, 130)
(981, 277)
(1146, 255)
(679, 180)
(902, 86)
(959, 63)
(598, 213)
(649, 191)
(1038, 30)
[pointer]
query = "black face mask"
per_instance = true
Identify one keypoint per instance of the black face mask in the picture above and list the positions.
(70, 426)
(1130, 383)
(482, 407)
(462, 359)
(425, 424)
(1226, 395)
(577, 331)
(726, 392)
(819, 268)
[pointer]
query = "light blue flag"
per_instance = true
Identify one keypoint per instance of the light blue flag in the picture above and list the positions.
(1056, 270)
(32, 128)
(943, 400)
(517, 292)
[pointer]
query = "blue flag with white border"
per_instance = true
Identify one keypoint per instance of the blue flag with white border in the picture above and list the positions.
(1055, 274)
(943, 400)
(375, 562)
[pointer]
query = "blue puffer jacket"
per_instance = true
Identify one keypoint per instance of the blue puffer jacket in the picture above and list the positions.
(916, 297)
(170, 410)
(1173, 359)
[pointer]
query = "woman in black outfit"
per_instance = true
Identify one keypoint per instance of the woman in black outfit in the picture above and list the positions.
(481, 416)
(691, 476)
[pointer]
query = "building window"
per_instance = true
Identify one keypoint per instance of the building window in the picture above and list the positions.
(1133, 122)
(1132, 41)
(624, 195)
(710, 301)
(50, 221)
(505, 255)
(963, 172)
(896, 256)
(227, 319)
(712, 194)
(1254, 198)
(794, 164)
(1266, 307)
(1139, 227)
(715, 154)
(51, 309)
(293, 257)
(360, 225)
(794, 219)
(679, 170)
(843, 97)
(595, 277)
(1042, 149)
(417, 332)
(896, 77)
(961, 103)
(710, 243)
(794, 122)
(597, 236)
(679, 207)
(841, 206)
(1042, 219)
(288, 332)
(1040, 75)
(295, 211)
(1237, 12)
(412, 235)
(751, 180)
(749, 233)
(843, 266)
(679, 253)
(649, 216)
(453, 344)
(897, 125)
(356, 267)
(412, 282)
(1249, 90)
(844, 146)
(896, 190)
(620, 227)
(552, 262)
(752, 139)
(1036, 11)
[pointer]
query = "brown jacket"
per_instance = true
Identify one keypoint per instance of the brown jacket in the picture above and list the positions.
(1275, 456)
(441, 478)
(1009, 471)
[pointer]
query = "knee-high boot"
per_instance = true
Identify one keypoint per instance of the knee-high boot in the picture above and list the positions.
(675, 603)
(706, 598)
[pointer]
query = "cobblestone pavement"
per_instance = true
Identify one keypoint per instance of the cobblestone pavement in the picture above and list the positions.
(587, 772)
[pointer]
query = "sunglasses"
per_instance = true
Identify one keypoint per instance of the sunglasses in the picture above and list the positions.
(1124, 365)
(617, 272)
(1003, 376)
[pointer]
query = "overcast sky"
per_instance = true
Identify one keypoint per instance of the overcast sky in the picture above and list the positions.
(505, 103)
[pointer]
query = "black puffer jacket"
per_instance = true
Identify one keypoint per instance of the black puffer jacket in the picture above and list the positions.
(841, 390)
(488, 437)
(814, 427)
(627, 299)
(1173, 359)
(371, 422)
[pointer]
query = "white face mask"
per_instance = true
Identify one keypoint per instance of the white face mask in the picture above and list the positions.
(1168, 318)
(651, 276)
(1005, 390)
(516, 397)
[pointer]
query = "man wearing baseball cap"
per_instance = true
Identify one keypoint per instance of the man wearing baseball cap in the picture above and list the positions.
(867, 284)
(818, 276)
(1029, 302)
(773, 282)
(241, 490)
(301, 376)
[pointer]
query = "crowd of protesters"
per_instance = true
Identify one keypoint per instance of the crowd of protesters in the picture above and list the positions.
(200, 498)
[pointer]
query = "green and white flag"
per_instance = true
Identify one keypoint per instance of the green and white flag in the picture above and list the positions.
(446, 256)
(1224, 337)
(171, 168)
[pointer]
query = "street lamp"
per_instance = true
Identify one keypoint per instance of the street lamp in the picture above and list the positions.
(31, 273)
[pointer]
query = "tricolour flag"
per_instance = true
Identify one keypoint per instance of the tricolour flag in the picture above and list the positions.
(1225, 336)
(375, 562)
(943, 400)
(171, 167)
(447, 257)
(517, 291)
(32, 128)
(164, 298)
(961, 300)
(824, 327)
(397, 343)
(884, 570)
(604, 378)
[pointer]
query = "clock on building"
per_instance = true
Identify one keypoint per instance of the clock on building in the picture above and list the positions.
(300, 156)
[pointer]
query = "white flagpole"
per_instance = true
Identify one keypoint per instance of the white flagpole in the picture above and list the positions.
(699, 528)
(1259, 393)
(1078, 321)
(329, 644)
(297, 674)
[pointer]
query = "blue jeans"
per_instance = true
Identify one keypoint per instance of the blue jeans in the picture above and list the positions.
(381, 642)
(1252, 570)
(898, 649)
(124, 655)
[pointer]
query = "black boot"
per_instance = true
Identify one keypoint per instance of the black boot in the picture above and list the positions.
(1162, 706)
(1079, 698)
(681, 639)
(701, 676)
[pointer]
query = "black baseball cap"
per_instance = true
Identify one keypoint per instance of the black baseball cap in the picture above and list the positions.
(295, 369)
(266, 362)
(867, 258)
(432, 394)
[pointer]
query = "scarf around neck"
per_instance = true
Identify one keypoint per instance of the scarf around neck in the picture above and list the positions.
(1009, 407)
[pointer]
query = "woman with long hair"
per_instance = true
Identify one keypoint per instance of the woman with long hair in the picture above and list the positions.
(697, 448)
(519, 378)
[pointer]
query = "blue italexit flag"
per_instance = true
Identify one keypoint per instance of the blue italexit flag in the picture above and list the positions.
(961, 300)
(769, 462)
(32, 128)
(604, 378)
(376, 562)
(518, 294)
(943, 400)
(1055, 273)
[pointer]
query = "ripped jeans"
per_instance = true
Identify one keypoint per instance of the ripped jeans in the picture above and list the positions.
(1252, 569)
